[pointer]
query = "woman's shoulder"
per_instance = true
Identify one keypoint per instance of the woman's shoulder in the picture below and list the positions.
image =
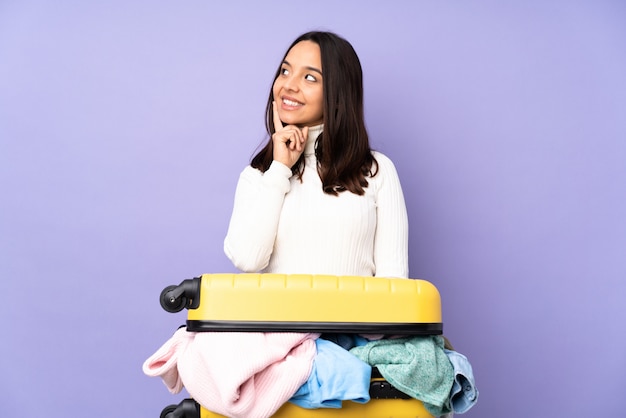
(385, 164)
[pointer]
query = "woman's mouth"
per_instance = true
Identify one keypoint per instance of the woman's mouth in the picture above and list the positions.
(291, 102)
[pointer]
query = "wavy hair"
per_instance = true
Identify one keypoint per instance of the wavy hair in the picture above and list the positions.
(344, 156)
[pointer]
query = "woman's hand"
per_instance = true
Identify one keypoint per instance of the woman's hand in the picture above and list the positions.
(289, 141)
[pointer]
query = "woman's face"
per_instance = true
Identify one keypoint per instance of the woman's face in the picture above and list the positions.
(298, 90)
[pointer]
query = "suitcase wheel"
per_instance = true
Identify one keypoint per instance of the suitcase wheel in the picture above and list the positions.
(185, 295)
(188, 408)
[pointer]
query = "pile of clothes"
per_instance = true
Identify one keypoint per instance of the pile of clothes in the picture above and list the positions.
(252, 374)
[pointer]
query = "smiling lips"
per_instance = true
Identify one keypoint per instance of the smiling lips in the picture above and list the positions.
(291, 103)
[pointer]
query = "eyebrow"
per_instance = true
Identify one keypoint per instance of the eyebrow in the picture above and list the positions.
(317, 70)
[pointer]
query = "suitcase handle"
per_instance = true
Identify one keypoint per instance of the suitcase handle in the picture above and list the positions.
(186, 295)
(381, 389)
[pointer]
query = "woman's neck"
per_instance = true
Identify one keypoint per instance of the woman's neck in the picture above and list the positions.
(314, 132)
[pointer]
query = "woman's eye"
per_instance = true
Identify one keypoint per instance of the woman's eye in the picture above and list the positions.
(309, 77)
(284, 71)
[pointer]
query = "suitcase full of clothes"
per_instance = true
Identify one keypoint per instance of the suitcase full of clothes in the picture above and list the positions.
(328, 305)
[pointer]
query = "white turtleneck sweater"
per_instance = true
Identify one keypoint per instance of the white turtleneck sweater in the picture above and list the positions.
(282, 225)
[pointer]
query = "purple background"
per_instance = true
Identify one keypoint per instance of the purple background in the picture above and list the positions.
(124, 126)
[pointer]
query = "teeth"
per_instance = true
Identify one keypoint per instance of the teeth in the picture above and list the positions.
(290, 103)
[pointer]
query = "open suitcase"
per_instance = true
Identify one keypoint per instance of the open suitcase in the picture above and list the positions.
(310, 303)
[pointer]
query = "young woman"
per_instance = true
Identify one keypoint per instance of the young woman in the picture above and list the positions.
(317, 199)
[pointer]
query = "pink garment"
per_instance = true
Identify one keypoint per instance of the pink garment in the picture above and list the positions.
(164, 362)
(239, 375)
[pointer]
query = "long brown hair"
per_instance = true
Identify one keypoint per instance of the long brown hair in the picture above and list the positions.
(344, 156)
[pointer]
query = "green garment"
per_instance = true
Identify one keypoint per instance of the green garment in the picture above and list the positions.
(417, 366)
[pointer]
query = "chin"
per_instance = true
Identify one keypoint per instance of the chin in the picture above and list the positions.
(306, 122)
(295, 121)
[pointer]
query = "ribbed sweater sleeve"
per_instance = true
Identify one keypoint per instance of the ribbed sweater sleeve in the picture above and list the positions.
(256, 212)
(391, 240)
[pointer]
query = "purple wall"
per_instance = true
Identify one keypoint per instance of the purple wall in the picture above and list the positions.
(124, 125)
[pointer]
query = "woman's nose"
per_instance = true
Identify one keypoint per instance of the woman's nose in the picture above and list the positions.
(291, 84)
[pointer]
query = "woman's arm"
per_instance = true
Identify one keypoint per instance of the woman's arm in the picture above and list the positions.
(391, 242)
(258, 202)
